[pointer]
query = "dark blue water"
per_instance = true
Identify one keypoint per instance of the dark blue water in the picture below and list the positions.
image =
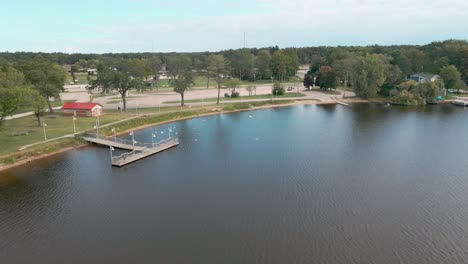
(303, 184)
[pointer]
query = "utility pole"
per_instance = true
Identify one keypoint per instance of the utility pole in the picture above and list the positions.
(244, 40)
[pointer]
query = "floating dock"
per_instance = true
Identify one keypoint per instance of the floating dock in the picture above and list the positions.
(138, 150)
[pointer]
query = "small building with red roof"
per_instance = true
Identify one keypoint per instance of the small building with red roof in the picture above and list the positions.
(82, 109)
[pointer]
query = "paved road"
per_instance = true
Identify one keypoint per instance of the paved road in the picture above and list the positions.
(145, 100)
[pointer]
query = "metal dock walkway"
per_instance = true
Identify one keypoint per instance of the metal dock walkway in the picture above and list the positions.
(138, 150)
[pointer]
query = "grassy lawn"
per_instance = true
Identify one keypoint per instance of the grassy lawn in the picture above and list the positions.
(53, 103)
(263, 96)
(82, 78)
(200, 82)
(57, 125)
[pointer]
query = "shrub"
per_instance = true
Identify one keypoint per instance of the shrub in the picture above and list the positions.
(235, 94)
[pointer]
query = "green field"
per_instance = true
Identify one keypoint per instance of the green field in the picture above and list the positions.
(200, 82)
(82, 78)
(263, 96)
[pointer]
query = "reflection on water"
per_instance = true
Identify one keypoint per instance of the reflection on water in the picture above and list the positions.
(303, 184)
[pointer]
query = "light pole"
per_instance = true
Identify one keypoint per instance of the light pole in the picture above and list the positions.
(74, 127)
(111, 149)
(43, 127)
(113, 132)
(136, 109)
(133, 140)
(153, 136)
(96, 112)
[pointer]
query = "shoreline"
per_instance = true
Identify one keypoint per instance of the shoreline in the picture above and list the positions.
(216, 111)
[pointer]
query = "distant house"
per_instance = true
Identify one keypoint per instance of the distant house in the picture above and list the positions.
(424, 77)
(82, 109)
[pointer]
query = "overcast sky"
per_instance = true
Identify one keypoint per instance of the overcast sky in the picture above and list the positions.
(183, 25)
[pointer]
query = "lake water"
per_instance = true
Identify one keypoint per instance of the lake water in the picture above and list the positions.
(302, 184)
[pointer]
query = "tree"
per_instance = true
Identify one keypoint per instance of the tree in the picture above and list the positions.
(233, 84)
(241, 62)
(368, 75)
(182, 83)
(47, 78)
(250, 89)
(326, 78)
(284, 64)
(11, 99)
(73, 70)
(416, 59)
(451, 76)
(343, 69)
(277, 89)
(9, 76)
(38, 103)
(308, 81)
(217, 68)
(263, 64)
(115, 76)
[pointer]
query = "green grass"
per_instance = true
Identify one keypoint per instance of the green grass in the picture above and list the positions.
(82, 78)
(53, 103)
(200, 83)
(57, 125)
(263, 96)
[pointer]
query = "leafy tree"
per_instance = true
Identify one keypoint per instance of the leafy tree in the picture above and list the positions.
(316, 62)
(182, 83)
(278, 89)
(416, 59)
(47, 78)
(233, 84)
(441, 63)
(369, 75)
(279, 65)
(263, 64)
(326, 78)
(308, 81)
(241, 62)
(451, 76)
(11, 99)
(217, 68)
(343, 69)
(73, 70)
(284, 64)
(38, 103)
(9, 76)
(115, 76)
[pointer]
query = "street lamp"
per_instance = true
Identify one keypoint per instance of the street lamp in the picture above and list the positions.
(43, 127)
(111, 149)
(133, 140)
(74, 127)
(96, 113)
(153, 136)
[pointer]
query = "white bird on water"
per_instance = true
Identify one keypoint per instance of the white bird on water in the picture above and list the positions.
(250, 116)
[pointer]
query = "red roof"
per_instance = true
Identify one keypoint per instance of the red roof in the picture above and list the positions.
(80, 106)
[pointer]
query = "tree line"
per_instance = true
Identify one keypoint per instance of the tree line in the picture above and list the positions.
(33, 79)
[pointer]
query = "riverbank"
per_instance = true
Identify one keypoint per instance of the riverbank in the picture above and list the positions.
(20, 158)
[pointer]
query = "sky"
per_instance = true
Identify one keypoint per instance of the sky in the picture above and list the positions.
(102, 26)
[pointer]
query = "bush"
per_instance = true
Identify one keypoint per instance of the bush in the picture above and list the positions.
(278, 89)
(235, 94)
